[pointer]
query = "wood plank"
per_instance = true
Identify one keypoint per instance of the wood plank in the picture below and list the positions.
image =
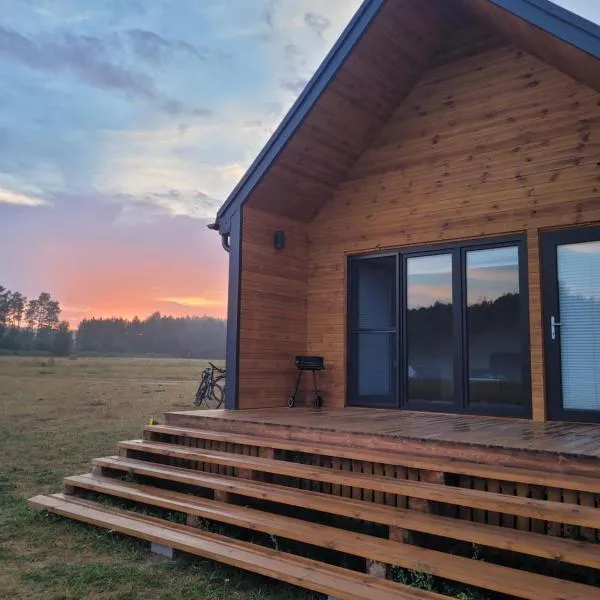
(447, 465)
(493, 518)
(508, 489)
(465, 512)
(479, 515)
(588, 500)
(539, 492)
(297, 570)
(554, 528)
(522, 522)
(509, 504)
(490, 576)
(543, 546)
(571, 59)
(569, 497)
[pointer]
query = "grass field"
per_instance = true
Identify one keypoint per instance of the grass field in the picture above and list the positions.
(56, 416)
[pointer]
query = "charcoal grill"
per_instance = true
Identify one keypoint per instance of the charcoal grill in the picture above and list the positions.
(304, 364)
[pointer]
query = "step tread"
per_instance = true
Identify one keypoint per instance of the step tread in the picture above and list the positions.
(497, 578)
(534, 544)
(517, 505)
(297, 570)
(447, 465)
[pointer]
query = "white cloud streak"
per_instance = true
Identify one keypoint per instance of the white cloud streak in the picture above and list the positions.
(15, 198)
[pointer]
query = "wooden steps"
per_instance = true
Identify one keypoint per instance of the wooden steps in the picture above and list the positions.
(407, 510)
(490, 576)
(572, 551)
(520, 506)
(447, 465)
(321, 577)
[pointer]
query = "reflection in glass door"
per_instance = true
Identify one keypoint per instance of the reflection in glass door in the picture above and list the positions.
(441, 328)
(571, 270)
(373, 332)
(494, 327)
(429, 330)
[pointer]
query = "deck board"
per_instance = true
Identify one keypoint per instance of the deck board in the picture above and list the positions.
(575, 439)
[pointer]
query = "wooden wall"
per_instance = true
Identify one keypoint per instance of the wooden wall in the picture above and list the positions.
(272, 308)
(490, 141)
(493, 143)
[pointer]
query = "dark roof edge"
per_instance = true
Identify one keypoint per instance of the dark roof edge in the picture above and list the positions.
(557, 21)
(300, 109)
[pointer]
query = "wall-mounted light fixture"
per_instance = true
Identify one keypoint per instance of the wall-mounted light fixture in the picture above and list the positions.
(279, 240)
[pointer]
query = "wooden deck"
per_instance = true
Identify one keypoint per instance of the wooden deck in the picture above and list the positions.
(379, 425)
(369, 490)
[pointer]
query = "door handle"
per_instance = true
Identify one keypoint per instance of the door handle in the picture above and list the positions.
(553, 325)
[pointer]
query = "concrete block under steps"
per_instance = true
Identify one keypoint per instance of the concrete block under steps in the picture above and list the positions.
(161, 550)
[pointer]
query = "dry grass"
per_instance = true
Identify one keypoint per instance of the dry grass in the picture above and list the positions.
(56, 416)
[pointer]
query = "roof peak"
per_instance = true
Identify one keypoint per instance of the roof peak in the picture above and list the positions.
(581, 36)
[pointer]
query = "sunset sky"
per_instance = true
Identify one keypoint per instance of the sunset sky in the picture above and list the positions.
(123, 126)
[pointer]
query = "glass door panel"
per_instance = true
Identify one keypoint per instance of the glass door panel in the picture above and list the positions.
(578, 267)
(376, 358)
(429, 330)
(373, 336)
(494, 327)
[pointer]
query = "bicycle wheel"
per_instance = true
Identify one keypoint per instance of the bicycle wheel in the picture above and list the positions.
(215, 397)
(201, 393)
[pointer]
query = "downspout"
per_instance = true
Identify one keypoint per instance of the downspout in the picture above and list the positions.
(231, 238)
(225, 241)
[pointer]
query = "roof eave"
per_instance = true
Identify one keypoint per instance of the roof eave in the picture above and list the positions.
(300, 109)
(558, 21)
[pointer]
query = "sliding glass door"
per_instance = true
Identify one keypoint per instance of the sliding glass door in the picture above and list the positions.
(442, 328)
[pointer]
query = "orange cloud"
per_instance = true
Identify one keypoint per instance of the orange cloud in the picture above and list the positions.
(191, 301)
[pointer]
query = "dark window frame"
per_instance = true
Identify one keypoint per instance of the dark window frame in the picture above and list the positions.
(549, 241)
(458, 250)
(354, 332)
(405, 402)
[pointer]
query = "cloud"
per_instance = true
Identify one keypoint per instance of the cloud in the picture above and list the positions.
(98, 61)
(269, 15)
(189, 203)
(191, 301)
(202, 112)
(292, 51)
(293, 85)
(10, 197)
(318, 23)
(83, 55)
(173, 107)
(145, 207)
(154, 48)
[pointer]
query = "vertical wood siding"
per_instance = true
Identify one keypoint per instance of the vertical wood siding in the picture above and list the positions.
(491, 143)
(495, 143)
(272, 308)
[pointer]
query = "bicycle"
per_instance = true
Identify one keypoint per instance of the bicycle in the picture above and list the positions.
(211, 391)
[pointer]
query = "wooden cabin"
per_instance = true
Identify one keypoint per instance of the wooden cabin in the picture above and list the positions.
(427, 220)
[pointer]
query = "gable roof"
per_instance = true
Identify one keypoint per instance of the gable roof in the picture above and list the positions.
(330, 123)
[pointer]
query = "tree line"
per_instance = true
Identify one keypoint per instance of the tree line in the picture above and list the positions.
(182, 337)
(34, 326)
